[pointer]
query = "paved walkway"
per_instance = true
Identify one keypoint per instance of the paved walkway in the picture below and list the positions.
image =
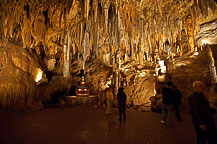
(89, 125)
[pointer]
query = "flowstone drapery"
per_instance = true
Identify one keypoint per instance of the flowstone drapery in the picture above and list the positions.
(67, 35)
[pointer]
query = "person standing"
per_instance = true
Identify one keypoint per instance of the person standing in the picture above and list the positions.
(177, 101)
(201, 113)
(121, 97)
(167, 100)
(109, 98)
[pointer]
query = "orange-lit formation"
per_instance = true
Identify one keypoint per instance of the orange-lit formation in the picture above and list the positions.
(47, 46)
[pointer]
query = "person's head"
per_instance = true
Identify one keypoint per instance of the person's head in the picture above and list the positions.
(199, 87)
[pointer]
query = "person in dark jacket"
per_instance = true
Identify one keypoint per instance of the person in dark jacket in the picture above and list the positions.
(121, 97)
(167, 100)
(201, 113)
(177, 101)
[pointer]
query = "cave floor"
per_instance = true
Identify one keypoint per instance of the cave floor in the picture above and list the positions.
(89, 125)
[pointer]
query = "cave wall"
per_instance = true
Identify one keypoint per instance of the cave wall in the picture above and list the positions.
(18, 72)
(63, 36)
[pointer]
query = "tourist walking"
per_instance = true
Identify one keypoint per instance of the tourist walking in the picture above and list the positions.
(177, 101)
(201, 113)
(167, 100)
(121, 97)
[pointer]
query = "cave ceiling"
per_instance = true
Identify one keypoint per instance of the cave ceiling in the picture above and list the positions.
(127, 36)
(106, 29)
(47, 22)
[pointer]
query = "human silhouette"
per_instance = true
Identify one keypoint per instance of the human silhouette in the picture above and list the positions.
(121, 97)
(201, 113)
(177, 101)
(167, 99)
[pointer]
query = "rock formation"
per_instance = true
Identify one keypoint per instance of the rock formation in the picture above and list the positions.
(111, 40)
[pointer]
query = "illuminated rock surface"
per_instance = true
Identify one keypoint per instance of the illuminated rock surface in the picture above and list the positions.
(110, 39)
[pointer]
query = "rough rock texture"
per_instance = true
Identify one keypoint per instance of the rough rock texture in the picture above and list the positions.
(18, 73)
(61, 37)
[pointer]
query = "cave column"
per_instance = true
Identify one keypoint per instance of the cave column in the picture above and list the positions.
(117, 46)
(141, 52)
(190, 31)
(66, 55)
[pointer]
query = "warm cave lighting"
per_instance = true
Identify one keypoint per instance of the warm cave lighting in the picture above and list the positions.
(39, 75)
(108, 83)
(142, 74)
(196, 52)
(144, 57)
(162, 66)
(161, 78)
(205, 42)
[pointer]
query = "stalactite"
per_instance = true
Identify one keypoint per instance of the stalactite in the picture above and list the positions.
(81, 34)
(95, 7)
(142, 43)
(106, 7)
(66, 52)
(203, 7)
(85, 47)
(131, 48)
(131, 28)
(137, 48)
(150, 46)
(86, 11)
(96, 37)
